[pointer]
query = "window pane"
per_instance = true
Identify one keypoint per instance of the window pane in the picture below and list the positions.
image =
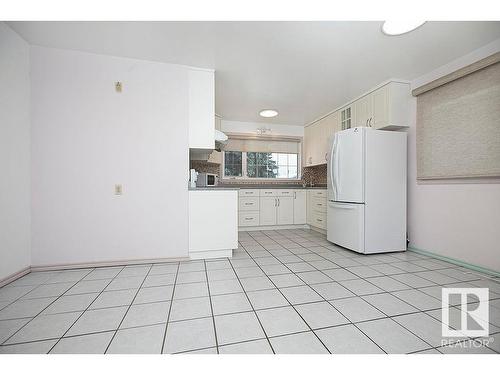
(282, 159)
(232, 164)
(292, 172)
(293, 159)
(262, 171)
(282, 172)
(262, 158)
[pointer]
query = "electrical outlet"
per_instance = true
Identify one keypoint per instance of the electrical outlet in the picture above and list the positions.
(118, 189)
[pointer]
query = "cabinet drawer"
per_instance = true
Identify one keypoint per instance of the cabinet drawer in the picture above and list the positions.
(318, 204)
(318, 193)
(249, 204)
(248, 193)
(319, 220)
(284, 192)
(268, 192)
(248, 219)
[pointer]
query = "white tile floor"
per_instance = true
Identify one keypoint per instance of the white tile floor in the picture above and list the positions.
(286, 291)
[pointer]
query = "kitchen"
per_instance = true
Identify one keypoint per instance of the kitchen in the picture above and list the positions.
(262, 187)
(283, 181)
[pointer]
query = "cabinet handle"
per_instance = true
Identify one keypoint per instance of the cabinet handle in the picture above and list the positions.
(275, 202)
(278, 202)
(294, 195)
(249, 218)
(248, 204)
(326, 156)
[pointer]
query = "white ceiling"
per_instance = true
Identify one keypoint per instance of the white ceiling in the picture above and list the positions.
(302, 69)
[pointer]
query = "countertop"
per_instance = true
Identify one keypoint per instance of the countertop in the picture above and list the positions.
(258, 186)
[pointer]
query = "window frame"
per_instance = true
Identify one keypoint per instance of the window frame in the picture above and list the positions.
(244, 172)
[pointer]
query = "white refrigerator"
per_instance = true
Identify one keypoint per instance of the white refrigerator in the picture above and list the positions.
(367, 190)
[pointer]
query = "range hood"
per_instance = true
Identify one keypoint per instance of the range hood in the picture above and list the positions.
(220, 140)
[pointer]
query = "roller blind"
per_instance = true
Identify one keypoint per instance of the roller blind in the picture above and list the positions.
(458, 127)
(286, 146)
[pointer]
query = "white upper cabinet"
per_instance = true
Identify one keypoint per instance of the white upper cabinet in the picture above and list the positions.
(363, 111)
(391, 106)
(316, 138)
(346, 118)
(386, 107)
(201, 109)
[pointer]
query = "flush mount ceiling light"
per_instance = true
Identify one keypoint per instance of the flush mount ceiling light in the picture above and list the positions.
(268, 113)
(400, 27)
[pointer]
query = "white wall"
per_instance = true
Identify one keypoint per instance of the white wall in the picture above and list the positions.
(86, 138)
(458, 219)
(14, 153)
(251, 128)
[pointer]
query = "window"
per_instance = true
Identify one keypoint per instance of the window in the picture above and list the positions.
(240, 164)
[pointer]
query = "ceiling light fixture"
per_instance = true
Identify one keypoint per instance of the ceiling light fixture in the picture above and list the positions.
(268, 113)
(400, 27)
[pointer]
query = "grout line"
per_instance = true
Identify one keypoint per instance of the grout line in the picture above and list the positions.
(275, 240)
(170, 308)
(126, 312)
(87, 308)
(32, 318)
(306, 323)
(211, 308)
(253, 309)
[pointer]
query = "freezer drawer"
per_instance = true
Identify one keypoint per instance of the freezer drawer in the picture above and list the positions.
(346, 225)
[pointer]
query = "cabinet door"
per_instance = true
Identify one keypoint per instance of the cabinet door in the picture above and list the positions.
(363, 111)
(285, 210)
(268, 208)
(381, 107)
(314, 143)
(346, 118)
(201, 109)
(299, 207)
(327, 131)
(308, 145)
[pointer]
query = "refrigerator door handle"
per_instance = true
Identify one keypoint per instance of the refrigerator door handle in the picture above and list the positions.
(332, 169)
(337, 167)
(342, 206)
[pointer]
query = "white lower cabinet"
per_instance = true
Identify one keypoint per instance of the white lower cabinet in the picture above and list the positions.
(300, 207)
(213, 223)
(316, 208)
(268, 210)
(267, 207)
(284, 210)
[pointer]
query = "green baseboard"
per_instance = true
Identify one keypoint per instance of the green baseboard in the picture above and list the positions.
(470, 266)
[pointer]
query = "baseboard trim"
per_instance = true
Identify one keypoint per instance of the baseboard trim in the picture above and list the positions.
(273, 227)
(14, 276)
(211, 254)
(124, 262)
(316, 229)
(461, 263)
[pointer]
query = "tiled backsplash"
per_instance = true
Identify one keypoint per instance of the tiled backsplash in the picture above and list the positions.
(204, 167)
(316, 174)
